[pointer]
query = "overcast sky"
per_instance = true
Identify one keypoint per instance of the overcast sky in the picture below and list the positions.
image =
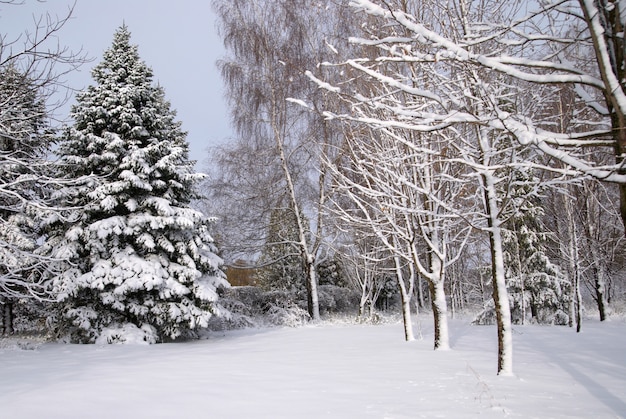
(177, 39)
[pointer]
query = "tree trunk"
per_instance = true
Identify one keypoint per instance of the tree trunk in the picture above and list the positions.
(420, 291)
(7, 318)
(312, 295)
(601, 295)
(503, 310)
(439, 305)
(622, 204)
(592, 215)
(307, 255)
(579, 304)
(500, 294)
(364, 298)
(452, 300)
(406, 301)
(599, 283)
(567, 225)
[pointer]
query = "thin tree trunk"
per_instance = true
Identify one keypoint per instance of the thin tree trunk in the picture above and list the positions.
(406, 301)
(570, 250)
(307, 255)
(503, 310)
(7, 318)
(579, 303)
(452, 300)
(592, 215)
(521, 276)
(576, 299)
(420, 291)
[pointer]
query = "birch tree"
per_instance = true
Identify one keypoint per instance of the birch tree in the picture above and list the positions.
(275, 160)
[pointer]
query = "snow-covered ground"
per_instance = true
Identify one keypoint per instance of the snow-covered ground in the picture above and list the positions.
(328, 370)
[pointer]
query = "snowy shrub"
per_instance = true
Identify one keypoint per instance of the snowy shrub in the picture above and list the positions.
(487, 316)
(253, 307)
(28, 317)
(248, 296)
(239, 302)
(560, 318)
(128, 334)
(286, 314)
(326, 301)
(278, 298)
(556, 317)
(336, 299)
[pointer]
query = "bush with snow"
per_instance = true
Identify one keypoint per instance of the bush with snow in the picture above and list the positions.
(128, 334)
(336, 299)
(254, 307)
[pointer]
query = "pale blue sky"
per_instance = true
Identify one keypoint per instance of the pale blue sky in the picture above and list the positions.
(177, 39)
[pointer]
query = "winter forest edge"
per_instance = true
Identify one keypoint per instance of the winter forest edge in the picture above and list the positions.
(390, 157)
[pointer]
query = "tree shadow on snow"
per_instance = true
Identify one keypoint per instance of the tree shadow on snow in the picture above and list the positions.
(593, 386)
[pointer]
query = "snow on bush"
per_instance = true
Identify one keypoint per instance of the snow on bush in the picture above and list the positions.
(128, 334)
(333, 299)
(287, 314)
(254, 307)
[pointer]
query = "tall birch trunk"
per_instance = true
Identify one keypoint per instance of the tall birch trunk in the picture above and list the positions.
(307, 255)
(576, 301)
(569, 248)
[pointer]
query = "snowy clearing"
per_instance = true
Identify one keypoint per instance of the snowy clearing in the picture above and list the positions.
(329, 370)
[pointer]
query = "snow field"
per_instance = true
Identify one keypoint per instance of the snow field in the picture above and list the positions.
(328, 370)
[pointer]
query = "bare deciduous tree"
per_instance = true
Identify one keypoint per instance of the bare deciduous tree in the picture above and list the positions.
(274, 163)
(32, 66)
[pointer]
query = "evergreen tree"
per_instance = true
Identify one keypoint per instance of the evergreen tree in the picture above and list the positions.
(136, 252)
(24, 141)
(536, 285)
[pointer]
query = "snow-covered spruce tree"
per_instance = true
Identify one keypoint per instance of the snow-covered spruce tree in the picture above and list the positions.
(137, 253)
(536, 285)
